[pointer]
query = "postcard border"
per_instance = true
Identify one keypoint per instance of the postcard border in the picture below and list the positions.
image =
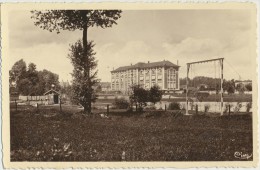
(5, 8)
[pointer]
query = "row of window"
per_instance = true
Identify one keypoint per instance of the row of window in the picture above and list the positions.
(153, 71)
(170, 73)
(141, 72)
(159, 77)
(170, 85)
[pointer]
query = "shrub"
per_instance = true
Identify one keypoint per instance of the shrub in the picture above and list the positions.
(155, 94)
(202, 95)
(238, 107)
(206, 107)
(174, 106)
(150, 108)
(139, 96)
(121, 103)
(248, 106)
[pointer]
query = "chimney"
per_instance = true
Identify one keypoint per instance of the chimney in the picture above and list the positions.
(148, 62)
(177, 62)
(131, 64)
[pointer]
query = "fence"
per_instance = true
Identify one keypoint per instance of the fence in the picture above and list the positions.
(36, 103)
(32, 98)
(108, 107)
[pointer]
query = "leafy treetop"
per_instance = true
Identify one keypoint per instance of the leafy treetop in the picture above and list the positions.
(56, 20)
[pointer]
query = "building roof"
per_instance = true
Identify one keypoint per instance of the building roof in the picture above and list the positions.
(141, 65)
(51, 92)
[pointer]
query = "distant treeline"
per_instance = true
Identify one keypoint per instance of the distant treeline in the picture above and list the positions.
(28, 81)
(212, 83)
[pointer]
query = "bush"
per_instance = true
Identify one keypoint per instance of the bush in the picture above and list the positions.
(206, 107)
(238, 107)
(174, 106)
(150, 108)
(248, 106)
(121, 103)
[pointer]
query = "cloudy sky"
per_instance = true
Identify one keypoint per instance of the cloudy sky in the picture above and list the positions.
(141, 36)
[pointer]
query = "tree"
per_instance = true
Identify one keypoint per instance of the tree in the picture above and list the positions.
(229, 86)
(32, 76)
(155, 94)
(66, 91)
(17, 73)
(249, 87)
(56, 20)
(30, 81)
(46, 79)
(82, 82)
(240, 88)
(139, 96)
(24, 87)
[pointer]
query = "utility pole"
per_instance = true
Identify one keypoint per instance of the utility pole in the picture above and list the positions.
(187, 83)
(221, 86)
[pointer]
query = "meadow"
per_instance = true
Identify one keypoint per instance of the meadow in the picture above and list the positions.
(47, 134)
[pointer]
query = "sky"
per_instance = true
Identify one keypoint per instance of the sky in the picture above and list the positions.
(140, 36)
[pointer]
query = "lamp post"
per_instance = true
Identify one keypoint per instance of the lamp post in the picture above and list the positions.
(52, 86)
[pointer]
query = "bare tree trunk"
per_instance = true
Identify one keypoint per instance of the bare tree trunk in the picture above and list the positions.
(87, 71)
(87, 108)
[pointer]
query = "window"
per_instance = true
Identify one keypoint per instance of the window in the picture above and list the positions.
(153, 71)
(159, 70)
(147, 75)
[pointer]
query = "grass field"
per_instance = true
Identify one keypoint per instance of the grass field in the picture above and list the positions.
(47, 135)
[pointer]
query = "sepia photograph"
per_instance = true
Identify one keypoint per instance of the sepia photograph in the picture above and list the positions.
(144, 84)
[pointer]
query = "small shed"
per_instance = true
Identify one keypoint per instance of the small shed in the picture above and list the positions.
(52, 97)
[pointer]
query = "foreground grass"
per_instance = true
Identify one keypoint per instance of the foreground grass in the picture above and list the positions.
(47, 135)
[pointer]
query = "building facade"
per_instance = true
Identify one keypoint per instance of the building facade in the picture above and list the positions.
(165, 74)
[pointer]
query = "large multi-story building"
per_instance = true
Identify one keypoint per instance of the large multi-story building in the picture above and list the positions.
(162, 73)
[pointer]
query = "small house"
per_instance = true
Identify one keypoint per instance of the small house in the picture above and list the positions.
(52, 97)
